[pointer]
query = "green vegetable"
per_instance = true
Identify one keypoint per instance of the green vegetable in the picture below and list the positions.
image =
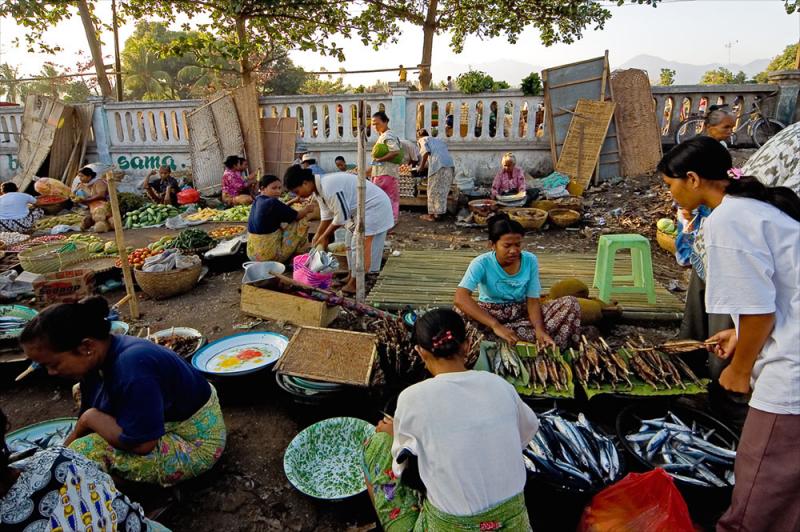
(191, 239)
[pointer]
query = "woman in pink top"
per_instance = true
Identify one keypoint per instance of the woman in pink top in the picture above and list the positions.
(236, 189)
(509, 180)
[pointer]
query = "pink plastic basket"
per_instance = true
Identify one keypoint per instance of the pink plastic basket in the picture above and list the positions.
(303, 275)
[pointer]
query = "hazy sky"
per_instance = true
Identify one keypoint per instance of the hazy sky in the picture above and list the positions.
(689, 31)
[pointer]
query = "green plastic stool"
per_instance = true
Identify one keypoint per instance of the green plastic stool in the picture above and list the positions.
(641, 264)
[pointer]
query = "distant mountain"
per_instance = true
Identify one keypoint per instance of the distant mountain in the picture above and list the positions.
(685, 73)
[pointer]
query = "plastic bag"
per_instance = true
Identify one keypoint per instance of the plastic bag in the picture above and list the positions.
(640, 501)
(51, 187)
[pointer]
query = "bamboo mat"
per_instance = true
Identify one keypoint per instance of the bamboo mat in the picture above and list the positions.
(430, 278)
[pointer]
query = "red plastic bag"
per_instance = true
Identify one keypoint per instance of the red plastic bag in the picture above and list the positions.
(188, 196)
(640, 501)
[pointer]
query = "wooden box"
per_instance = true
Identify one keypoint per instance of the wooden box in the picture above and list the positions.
(279, 306)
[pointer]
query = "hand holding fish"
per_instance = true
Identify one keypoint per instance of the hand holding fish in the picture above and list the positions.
(544, 339)
(735, 381)
(506, 334)
(725, 343)
(386, 425)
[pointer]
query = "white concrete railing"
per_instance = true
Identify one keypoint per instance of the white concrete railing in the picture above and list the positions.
(509, 116)
(325, 119)
(149, 124)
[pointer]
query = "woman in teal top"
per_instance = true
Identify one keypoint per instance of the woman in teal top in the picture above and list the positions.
(509, 304)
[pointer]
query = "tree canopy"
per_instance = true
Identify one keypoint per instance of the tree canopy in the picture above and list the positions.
(722, 76)
(783, 61)
(666, 77)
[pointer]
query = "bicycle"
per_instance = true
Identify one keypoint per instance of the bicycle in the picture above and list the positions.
(757, 126)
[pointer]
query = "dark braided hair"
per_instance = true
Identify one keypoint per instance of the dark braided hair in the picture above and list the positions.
(710, 160)
(440, 331)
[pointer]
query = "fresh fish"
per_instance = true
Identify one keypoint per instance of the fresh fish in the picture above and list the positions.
(730, 478)
(540, 365)
(703, 445)
(675, 419)
(690, 480)
(572, 470)
(640, 437)
(665, 425)
(678, 468)
(529, 464)
(654, 445)
(709, 477)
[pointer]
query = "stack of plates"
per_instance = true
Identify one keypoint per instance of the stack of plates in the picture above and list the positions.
(307, 390)
(513, 200)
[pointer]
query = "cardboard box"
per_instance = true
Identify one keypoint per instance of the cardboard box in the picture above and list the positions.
(279, 306)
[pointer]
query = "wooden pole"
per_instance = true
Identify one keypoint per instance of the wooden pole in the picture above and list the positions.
(361, 190)
(121, 250)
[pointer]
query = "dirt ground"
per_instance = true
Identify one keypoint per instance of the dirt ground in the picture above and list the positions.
(248, 489)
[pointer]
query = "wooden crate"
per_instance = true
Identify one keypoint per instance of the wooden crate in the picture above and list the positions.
(279, 306)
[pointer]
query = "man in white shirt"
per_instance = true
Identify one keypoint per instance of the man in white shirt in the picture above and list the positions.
(337, 198)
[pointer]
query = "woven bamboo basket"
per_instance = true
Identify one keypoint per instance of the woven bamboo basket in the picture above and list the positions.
(530, 219)
(573, 202)
(161, 285)
(665, 241)
(480, 220)
(544, 205)
(564, 217)
(2, 249)
(49, 258)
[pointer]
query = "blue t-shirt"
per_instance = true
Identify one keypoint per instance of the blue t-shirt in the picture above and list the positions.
(267, 214)
(496, 286)
(143, 385)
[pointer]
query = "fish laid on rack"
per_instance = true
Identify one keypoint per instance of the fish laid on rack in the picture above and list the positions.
(685, 452)
(572, 453)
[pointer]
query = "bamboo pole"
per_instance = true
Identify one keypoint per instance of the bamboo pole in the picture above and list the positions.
(121, 250)
(361, 190)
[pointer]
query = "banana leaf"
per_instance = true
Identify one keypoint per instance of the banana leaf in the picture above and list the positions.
(530, 388)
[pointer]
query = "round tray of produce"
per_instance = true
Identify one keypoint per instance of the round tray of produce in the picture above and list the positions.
(13, 319)
(324, 460)
(190, 241)
(184, 341)
(240, 354)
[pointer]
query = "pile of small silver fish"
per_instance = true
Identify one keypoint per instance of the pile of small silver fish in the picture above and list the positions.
(572, 453)
(685, 452)
(540, 369)
(597, 364)
(22, 448)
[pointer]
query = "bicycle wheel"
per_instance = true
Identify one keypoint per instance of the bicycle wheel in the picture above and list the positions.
(688, 129)
(765, 129)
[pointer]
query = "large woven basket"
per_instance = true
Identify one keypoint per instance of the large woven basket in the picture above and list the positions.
(49, 258)
(161, 285)
(530, 219)
(572, 202)
(665, 241)
(564, 217)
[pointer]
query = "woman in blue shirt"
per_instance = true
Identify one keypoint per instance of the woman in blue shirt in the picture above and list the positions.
(276, 231)
(509, 303)
(146, 414)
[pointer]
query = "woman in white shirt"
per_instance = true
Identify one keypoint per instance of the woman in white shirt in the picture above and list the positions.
(752, 257)
(464, 429)
(16, 215)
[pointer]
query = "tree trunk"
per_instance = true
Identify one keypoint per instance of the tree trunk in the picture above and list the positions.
(428, 31)
(244, 61)
(94, 48)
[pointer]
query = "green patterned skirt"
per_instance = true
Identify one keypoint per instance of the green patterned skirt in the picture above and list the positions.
(401, 508)
(188, 449)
